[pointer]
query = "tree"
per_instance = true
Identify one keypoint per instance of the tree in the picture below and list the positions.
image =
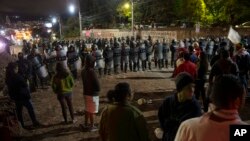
(71, 29)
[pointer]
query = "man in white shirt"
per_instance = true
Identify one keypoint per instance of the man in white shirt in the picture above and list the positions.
(228, 97)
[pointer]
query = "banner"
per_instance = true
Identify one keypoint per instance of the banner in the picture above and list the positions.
(233, 36)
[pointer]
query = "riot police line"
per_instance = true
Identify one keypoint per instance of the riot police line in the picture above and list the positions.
(115, 55)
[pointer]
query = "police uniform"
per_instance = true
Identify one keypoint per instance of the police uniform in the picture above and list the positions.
(50, 60)
(61, 57)
(135, 57)
(125, 57)
(108, 58)
(149, 52)
(142, 55)
(117, 56)
(165, 50)
(99, 65)
(158, 54)
(73, 62)
(173, 49)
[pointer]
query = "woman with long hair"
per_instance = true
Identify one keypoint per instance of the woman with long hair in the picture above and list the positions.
(62, 84)
(202, 68)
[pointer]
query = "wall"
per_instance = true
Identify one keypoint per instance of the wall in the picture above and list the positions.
(167, 33)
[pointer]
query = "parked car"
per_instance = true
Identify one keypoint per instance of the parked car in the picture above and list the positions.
(243, 25)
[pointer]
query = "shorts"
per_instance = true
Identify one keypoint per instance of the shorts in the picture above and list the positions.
(91, 103)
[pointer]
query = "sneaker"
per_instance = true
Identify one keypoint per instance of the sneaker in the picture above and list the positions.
(93, 129)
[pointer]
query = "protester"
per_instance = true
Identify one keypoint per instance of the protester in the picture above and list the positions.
(228, 97)
(186, 66)
(178, 107)
(222, 66)
(242, 59)
(121, 121)
(91, 90)
(25, 69)
(62, 84)
(202, 68)
(19, 92)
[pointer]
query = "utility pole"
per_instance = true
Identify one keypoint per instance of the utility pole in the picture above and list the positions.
(80, 23)
(132, 14)
(60, 27)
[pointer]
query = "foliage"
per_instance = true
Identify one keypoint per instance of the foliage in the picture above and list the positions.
(208, 12)
(72, 27)
(96, 12)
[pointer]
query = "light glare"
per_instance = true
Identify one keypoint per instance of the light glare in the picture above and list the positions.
(71, 8)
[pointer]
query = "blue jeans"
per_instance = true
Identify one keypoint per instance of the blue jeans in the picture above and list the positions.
(29, 107)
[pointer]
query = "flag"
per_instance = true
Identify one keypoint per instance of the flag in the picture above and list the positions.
(234, 36)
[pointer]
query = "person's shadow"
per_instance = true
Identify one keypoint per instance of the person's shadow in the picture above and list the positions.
(60, 131)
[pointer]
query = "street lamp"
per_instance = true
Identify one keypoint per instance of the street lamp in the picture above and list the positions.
(57, 19)
(126, 5)
(72, 10)
(54, 20)
(132, 14)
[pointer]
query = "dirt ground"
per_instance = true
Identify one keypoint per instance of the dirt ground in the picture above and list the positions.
(154, 85)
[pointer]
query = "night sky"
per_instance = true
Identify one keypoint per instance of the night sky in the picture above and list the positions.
(35, 7)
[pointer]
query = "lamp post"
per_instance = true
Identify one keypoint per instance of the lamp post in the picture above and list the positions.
(57, 19)
(80, 22)
(72, 10)
(132, 16)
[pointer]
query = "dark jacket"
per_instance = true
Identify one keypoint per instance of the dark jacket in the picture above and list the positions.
(123, 122)
(91, 84)
(24, 68)
(18, 88)
(171, 113)
(223, 66)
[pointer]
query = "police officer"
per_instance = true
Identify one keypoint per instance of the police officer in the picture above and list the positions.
(135, 57)
(142, 55)
(39, 70)
(165, 50)
(50, 61)
(173, 49)
(99, 60)
(158, 54)
(117, 55)
(132, 45)
(125, 57)
(108, 58)
(149, 51)
(209, 49)
(216, 47)
(73, 59)
(61, 56)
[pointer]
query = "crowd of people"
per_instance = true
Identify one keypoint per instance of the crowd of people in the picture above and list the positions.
(181, 116)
